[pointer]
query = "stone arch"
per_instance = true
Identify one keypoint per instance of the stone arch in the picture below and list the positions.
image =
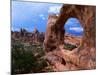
(55, 31)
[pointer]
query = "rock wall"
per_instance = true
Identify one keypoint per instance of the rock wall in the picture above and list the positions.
(50, 41)
(55, 27)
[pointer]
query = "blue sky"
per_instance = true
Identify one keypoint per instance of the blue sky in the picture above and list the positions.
(30, 14)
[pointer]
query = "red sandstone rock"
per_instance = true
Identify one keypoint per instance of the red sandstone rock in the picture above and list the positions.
(26, 36)
(55, 27)
(84, 57)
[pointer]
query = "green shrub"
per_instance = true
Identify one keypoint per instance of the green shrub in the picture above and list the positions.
(24, 59)
(69, 46)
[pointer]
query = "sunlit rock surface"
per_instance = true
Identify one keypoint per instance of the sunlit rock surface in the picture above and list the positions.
(80, 58)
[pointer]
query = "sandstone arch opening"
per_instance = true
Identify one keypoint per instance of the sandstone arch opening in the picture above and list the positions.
(73, 27)
(73, 33)
(55, 29)
(84, 57)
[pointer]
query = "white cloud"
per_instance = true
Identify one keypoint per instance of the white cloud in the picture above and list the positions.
(76, 29)
(54, 9)
(42, 16)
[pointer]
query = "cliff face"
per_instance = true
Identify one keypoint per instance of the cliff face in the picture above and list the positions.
(55, 27)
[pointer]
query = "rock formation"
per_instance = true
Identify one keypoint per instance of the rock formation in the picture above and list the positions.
(83, 57)
(30, 37)
(50, 42)
(55, 27)
(36, 35)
